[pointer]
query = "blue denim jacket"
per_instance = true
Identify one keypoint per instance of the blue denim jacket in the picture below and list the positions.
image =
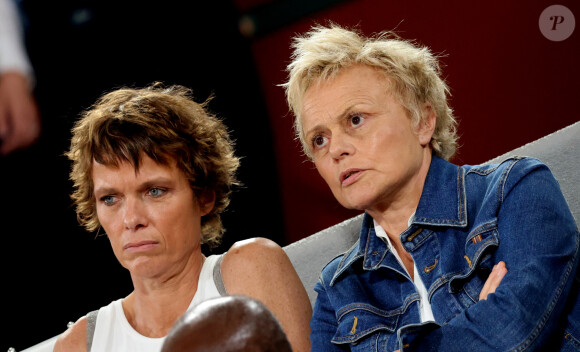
(468, 219)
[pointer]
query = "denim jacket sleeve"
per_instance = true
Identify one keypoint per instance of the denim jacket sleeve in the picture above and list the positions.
(539, 243)
(323, 325)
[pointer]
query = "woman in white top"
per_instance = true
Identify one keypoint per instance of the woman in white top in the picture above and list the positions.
(154, 170)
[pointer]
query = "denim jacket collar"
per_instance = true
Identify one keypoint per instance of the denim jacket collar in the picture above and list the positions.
(444, 186)
(443, 199)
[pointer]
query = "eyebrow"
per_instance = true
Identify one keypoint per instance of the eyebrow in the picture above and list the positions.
(145, 185)
(98, 192)
(156, 181)
(346, 112)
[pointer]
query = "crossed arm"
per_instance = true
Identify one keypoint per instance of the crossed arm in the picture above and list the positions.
(539, 245)
(492, 282)
(523, 300)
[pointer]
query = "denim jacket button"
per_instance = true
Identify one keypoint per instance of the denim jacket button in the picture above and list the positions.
(429, 268)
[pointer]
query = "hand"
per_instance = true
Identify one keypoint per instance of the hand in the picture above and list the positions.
(19, 116)
(497, 273)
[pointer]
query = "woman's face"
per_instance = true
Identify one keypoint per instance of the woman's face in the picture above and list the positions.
(151, 217)
(362, 140)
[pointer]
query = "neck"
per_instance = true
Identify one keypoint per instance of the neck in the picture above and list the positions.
(394, 215)
(156, 303)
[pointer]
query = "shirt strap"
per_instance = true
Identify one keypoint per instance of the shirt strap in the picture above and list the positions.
(217, 276)
(91, 323)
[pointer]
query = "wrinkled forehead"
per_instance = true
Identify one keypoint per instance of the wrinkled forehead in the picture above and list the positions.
(116, 163)
(134, 156)
(357, 84)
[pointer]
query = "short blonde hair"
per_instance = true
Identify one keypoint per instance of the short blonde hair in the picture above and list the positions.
(164, 124)
(413, 71)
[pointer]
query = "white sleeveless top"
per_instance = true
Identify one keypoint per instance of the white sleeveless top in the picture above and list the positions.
(114, 333)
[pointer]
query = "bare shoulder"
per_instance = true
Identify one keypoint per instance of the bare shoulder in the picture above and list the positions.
(254, 246)
(252, 258)
(74, 338)
(259, 268)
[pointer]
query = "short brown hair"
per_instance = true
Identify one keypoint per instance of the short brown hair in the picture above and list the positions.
(163, 123)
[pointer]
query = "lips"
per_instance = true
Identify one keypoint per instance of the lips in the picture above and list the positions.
(349, 176)
(139, 246)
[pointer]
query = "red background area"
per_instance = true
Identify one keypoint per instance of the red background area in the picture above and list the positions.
(509, 84)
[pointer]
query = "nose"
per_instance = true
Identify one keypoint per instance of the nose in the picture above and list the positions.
(134, 216)
(341, 145)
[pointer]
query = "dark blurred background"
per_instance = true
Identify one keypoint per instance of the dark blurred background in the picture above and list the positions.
(510, 85)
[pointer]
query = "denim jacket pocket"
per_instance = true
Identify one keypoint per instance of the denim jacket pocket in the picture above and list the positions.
(571, 334)
(570, 343)
(361, 324)
(479, 262)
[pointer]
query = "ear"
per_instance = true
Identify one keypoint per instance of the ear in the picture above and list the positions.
(206, 201)
(426, 127)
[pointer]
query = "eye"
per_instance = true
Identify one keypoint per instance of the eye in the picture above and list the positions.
(356, 120)
(108, 200)
(156, 192)
(319, 141)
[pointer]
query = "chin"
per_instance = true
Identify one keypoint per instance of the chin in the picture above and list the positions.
(143, 266)
(354, 204)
